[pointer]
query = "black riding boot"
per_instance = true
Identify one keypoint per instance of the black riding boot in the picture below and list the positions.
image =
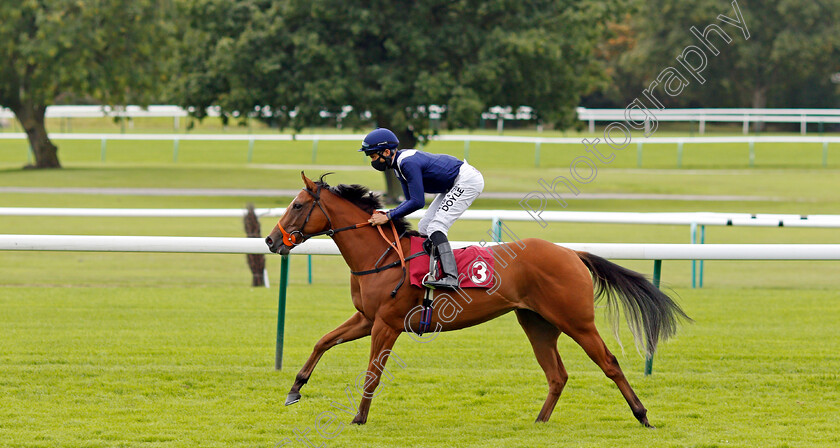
(449, 274)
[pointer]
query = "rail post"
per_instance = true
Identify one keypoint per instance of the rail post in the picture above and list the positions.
(309, 269)
(752, 153)
(679, 153)
(281, 312)
(250, 149)
(639, 155)
(693, 231)
(657, 274)
(702, 241)
(496, 226)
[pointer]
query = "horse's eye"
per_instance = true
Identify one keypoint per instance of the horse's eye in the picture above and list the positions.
(297, 206)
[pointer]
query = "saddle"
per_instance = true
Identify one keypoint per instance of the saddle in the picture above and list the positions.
(475, 265)
(475, 270)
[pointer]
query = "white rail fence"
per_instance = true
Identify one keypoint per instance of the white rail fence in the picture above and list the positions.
(656, 252)
(665, 218)
(130, 112)
(111, 111)
(538, 142)
(702, 116)
(697, 221)
(223, 245)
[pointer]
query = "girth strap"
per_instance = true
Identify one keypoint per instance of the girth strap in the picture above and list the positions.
(387, 266)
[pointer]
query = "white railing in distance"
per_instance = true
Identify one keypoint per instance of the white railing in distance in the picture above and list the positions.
(618, 251)
(669, 218)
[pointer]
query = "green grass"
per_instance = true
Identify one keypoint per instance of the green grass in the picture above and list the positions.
(174, 350)
(803, 191)
(14, 153)
(174, 366)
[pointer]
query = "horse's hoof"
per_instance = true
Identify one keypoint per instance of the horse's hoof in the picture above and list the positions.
(648, 425)
(293, 398)
(359, 421)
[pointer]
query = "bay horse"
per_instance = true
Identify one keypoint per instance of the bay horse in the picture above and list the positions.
(551, 289)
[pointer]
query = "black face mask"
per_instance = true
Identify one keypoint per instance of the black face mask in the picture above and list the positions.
(380, 165)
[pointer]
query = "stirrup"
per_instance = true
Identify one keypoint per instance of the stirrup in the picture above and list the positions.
(427, 279)
(447, 282)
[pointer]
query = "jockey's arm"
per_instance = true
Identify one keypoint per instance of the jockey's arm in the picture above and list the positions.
(406, 193)
(413, 189)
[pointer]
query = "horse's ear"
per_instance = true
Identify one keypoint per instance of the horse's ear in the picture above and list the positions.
(308, 182)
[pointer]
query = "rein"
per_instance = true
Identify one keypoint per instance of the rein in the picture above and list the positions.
(290, 239)
(397, 246)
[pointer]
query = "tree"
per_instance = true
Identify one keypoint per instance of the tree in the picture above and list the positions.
(792, 50)
(287, 62)
(110, 50)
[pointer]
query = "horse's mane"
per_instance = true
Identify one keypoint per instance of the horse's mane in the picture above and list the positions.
(366, 200)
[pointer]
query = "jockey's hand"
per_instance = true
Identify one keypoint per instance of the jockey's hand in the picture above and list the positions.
(378, 219)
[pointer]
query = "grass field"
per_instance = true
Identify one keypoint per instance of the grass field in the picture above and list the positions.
(14, 153)
(191, 366)
(175, 350)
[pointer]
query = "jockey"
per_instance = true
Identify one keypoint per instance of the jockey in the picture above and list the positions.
(456, 183)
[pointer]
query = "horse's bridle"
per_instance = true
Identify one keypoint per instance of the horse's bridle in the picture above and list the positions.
(289, 237)
(290, 240)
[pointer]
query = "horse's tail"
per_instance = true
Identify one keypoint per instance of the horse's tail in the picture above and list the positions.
(650, 313)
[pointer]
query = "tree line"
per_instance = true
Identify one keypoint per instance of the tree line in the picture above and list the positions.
(284, 62)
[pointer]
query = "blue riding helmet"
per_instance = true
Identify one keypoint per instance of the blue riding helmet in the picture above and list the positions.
(378, 140)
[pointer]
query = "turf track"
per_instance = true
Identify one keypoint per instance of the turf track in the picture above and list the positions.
(168, 350)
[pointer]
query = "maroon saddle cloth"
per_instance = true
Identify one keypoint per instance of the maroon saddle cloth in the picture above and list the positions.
(475, 265)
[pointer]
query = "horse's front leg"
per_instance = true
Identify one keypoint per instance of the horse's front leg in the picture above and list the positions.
(356, 327)
(382, 339)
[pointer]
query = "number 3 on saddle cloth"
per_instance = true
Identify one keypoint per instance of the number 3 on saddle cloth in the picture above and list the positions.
(475, 265)
(475, 270)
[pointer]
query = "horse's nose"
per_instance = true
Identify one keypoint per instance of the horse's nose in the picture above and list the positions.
(270, 243)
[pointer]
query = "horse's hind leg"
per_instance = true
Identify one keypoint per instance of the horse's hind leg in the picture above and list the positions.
(354, 328)
(591, 341)
(543, 337)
